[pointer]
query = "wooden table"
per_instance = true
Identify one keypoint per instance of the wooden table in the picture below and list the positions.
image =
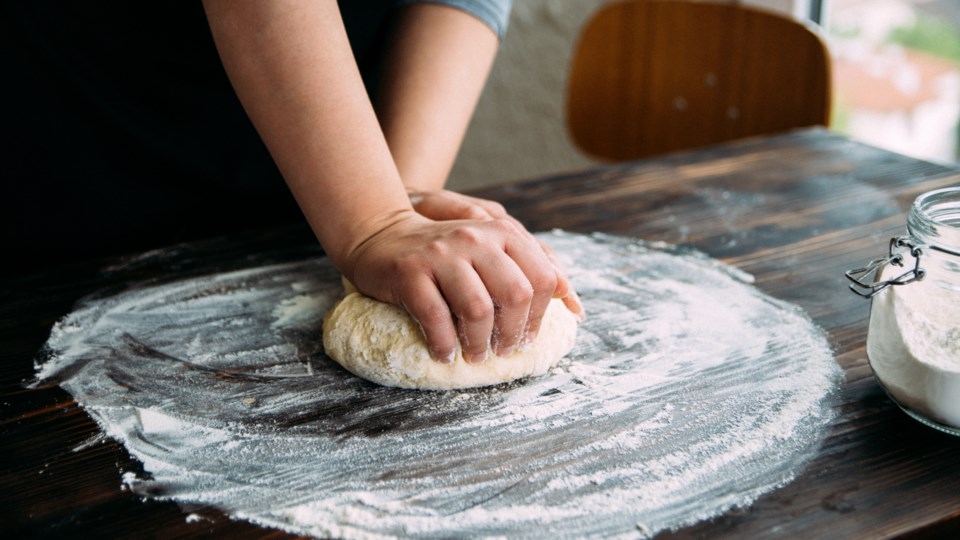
(794, 210)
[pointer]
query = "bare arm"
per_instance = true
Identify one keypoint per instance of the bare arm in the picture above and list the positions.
(484, 281)
(291, 65)
(437, 61)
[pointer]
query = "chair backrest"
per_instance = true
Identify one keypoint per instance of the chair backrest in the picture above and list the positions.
(654, 76)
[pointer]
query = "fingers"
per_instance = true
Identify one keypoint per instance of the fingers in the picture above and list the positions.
(491, 292)
(542, 275)
(497, 289)
(424, 302)
(483, 283)
(494, 209)
(498, 300)
(570, 298)
(448, 205)
(473, 310)
(565, 290)
(512, 295)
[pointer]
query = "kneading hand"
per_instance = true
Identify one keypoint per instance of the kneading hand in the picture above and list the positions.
(484, 281)
(442, 205)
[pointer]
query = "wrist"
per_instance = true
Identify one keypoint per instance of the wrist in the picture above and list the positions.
(357, 238)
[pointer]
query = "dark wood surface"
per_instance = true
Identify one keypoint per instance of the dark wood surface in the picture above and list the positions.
(794, 210)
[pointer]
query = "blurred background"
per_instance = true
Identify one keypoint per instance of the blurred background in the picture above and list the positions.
(896, 68)
(896, 71)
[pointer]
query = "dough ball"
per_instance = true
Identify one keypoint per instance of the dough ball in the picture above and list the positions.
(384, 344)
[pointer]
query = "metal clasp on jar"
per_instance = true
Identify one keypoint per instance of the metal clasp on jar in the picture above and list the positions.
(865, 280)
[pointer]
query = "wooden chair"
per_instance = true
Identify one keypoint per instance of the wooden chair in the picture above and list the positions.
(654, 76)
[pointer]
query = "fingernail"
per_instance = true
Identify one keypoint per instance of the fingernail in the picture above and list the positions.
(475, 358)
(579, 312)
(443, 359)
(505, 351)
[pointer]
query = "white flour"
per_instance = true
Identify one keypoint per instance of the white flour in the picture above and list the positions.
(689, 392)
(914, 348)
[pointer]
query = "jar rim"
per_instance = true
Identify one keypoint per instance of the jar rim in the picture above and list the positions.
(934, 218)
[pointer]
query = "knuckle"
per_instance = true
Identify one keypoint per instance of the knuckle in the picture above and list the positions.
(496, 208)
(476, 212)
(435, 248)
(432, 314)
(504, 225)
(469, 235)
(544, 282)
(520, 295)
(476, 309)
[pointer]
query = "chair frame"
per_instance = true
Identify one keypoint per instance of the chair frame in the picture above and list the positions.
(655, 76)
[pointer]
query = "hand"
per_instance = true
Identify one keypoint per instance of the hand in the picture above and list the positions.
(487, 282)
(442, 205)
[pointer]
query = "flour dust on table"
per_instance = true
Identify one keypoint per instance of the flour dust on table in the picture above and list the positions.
(688, 392)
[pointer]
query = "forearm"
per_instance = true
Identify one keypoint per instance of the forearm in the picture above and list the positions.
(438, 60)
(484, 280)
(291, 65)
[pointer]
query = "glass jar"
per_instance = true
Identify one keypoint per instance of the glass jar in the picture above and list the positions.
(913, 340)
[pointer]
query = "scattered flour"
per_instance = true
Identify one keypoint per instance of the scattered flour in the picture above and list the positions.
(290, 310)
(689, 392)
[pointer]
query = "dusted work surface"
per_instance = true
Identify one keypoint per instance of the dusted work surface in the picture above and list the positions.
(683, 397)
(794, 211)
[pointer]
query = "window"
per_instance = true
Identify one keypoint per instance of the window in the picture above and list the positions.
(896, 70)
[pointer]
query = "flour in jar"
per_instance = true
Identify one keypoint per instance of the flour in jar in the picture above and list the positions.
(914, 348)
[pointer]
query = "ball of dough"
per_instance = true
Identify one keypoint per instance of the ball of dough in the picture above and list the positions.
(384, 344)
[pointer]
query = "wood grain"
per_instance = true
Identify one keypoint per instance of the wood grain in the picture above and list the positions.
(653, 76)
(795, 210)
